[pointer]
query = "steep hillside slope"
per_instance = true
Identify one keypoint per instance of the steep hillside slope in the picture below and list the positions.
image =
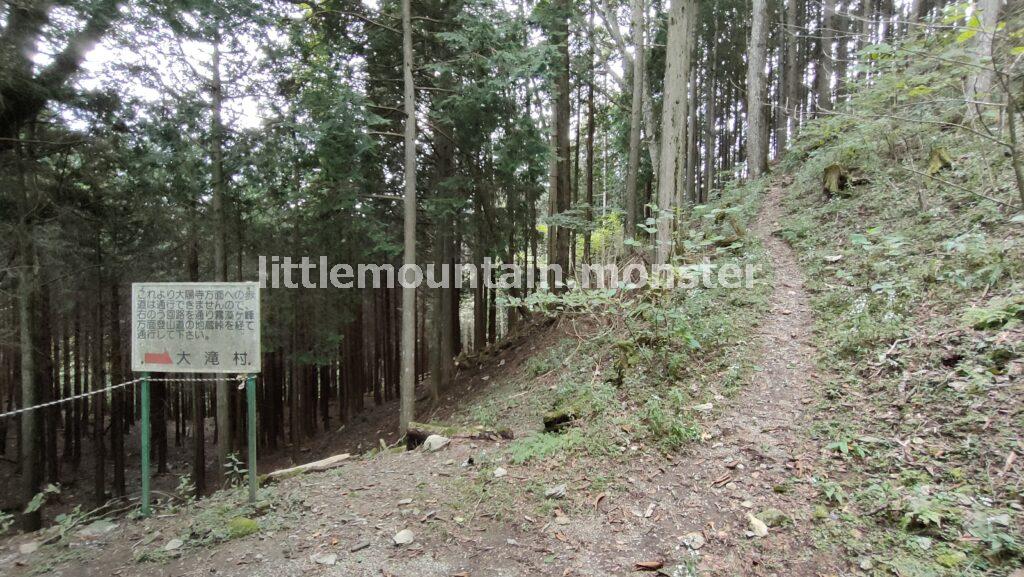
(916, 269)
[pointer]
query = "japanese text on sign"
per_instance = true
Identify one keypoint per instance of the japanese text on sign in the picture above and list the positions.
(196, 327)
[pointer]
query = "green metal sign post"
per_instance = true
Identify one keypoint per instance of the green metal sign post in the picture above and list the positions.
(253, 473)
(250, 401)
(194, 327)
(145, 444)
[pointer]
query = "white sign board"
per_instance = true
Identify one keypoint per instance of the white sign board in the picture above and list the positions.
(193, 327)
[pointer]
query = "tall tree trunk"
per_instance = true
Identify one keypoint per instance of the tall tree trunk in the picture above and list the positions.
(673, 120)
(79, 384)
(633, 168)
(711, 137)
(219, 242)
(790, 76)
(918, 10)
(408, 380)
(757, 124)
(45, 376)
(823, 74)
(979, 83)
(711, 118)
(68, 388)
(31, 430)
(196, 390)
(118, 406)
(842, 24)
(690, 181)
(558, 254)
(866, 35)
(99, 382)
(442, 347)
(591, 125)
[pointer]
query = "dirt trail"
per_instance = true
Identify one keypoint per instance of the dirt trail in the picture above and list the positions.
(690, 512)
(759, 458)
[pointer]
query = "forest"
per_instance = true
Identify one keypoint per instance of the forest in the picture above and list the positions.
(192, 140)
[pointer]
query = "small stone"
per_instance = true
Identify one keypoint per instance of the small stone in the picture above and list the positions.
(500, 472)
(359, 546)
(562, 520)
(97, 528)
(328, 559)
(404, 537)
(757, 526)
(1003, 520)
(866, 564)
(747, 505)
(703, 407)
(694, 540)
(556, 492)
(173, 545)
(27, 548)
(404, 502)
(681, 570)
(435, 443)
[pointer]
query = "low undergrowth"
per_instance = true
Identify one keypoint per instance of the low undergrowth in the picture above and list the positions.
(653, 364)
(917, 283)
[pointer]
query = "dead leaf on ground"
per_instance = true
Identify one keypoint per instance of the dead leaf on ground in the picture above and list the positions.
(722, 480)
(1009, 462)
(649, 565)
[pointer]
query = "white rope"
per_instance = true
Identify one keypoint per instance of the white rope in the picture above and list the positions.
(67, 399)
(108, 389)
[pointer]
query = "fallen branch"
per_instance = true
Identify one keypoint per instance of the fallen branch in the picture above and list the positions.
(315, 466)
(418, 432)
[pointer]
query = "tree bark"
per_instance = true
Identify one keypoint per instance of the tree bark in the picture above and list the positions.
(757, 125)
(591, 125)
(673, 120)
(918, 10)
(98, 382)
(118, 406)
(690, 181)
(196, 390)
(633, 169)
(408, 378)
(219, 242)
(31, 464)
(562, 191)
(979, 84)
(823, 74)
